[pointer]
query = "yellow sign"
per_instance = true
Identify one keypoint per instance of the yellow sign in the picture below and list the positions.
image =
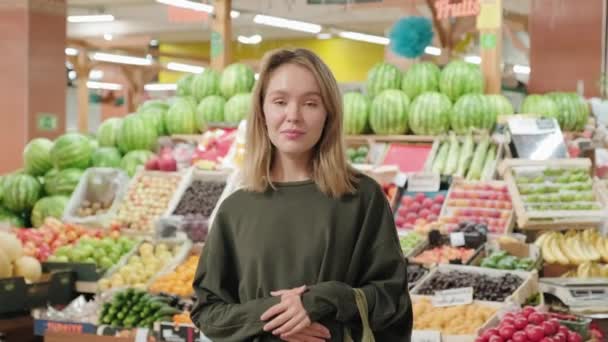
(490, 15)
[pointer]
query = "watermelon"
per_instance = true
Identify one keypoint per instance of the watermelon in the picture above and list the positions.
(420, 78)
(356, 113)
(500, 104)
(389, 112)
(184, 85)
(237, 108)
(471, 111)
(52, 206)
(180, 118)
(459, 78)
(9, 218)
(133, 159)
(48, 179)
(573, 111)
(107, 133)
(156, 104)
(236, 78)
(21, 191)
(210, 110)
(106, 157)
(154, 116)
(37, 156)
(205, 84)
(136, 134)
(383, 76)
(430, 113)
(71, 150)
(64, 182)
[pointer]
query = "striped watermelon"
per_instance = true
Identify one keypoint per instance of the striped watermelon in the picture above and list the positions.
(184, 85)
(37, 156)
(210, 110)
(573, 111)
(71, 150)
(499, 104)
(48, 180)
(539, 104)
(64, 182)
(106, 157)
(389, 112)
(383, 76)
(107, 132)
(472, 111)
(237, 108)
(21, 192)
(136, 134)
(236, 78)
(459, 78)
(356, 113)
(429, 114)
(180, 118)
(52, 206)
(157, 104)
(205, 84)
(155, 116)
(420, 78)
(133, 159)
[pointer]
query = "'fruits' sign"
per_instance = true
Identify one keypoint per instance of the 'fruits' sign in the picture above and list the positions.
(464, 8)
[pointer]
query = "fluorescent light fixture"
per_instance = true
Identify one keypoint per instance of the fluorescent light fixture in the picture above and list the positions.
(107, 36)
(324, 35)
(71, 51)
(195, 69)
(154, 42)
(195, 6)
(473, 59)
(103, 85)
(72, 75)
(432, 50)
(364, 37)
(160, 86)
(121, 59)
(286, 23)
(521, 69)
(256, 75)
(255, 39)
(96, 18)
(95, 74)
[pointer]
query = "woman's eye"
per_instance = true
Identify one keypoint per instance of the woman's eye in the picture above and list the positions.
(279, 102)
(311, 104)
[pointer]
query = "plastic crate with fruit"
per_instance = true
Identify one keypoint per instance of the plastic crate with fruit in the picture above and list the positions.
(486, 202)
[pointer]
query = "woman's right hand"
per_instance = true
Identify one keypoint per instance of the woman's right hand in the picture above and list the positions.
(315, 332)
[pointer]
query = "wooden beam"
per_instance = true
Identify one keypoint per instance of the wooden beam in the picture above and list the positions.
(82, 68)
(221, 35)
(489, 24)
(437, 24)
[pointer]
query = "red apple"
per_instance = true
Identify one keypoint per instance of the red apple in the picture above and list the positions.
(519, 336)
(415, 207)
(420, 197)
(432, 218)
(411, 218)
(403, 210)
(400, 221)
(152, 163)
(564, 330)
(407, 200)
(439, 199)
(427, 203)
(535, 333)
(574, 337)
(490, 332)
(167, 163)
(436, 209)
(496, 338)
(536, 318)
(506, 331)
(424, 213)
(560, 337)
(548, 328)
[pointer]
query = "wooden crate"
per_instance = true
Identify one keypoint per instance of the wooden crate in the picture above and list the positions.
(552, 219)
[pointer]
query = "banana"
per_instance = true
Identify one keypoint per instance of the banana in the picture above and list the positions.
(602, 247)
(604, 271)
(546, 250)
(540, 240)
(584, 270)
(569, 249)
(556, 250)
(596, 270)
(589, 248)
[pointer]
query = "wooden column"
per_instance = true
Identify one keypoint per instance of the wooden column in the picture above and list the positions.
(82, 69)
(221, 35)
(489, 24)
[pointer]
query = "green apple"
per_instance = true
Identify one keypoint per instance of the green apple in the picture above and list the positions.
(105, 262)
(63, 250)
(89, 260)
(62, 258)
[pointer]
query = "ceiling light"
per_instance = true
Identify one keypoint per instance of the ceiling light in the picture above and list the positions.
(97, 18)
(111, 58)
(95, 74)
(154, 42)
(234, 14)
(160, 86)
(103, 85)
(324, 35)
(107, 36)
(72, 75)
(473, 59)
(255, 39)
(71, 51)
(286, 23)
(364, 37)
(256, 75)
(521, 69)
(195, 6)
(432, 50)
(195, 69)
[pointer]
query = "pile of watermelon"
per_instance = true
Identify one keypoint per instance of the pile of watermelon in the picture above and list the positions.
(569, 109)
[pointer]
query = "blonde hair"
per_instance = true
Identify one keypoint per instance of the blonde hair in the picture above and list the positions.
(330, 168)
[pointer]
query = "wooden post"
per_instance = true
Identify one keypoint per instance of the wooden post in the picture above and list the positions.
(221, 35)
(82, 68)
(137, 78)
(489, 24)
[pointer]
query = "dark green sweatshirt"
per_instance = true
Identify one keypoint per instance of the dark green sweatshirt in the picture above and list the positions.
(293, 236)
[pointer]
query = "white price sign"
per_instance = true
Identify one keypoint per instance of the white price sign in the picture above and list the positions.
(457, 239)
(426, 336)
(423, 182)
(459, 296)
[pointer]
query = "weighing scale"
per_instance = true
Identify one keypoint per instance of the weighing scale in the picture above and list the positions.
(586, 297)
(536, 139)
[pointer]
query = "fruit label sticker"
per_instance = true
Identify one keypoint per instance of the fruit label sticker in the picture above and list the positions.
(457, 239)
(459, 296)
(423, 182)
(47, 121)
(426, 336)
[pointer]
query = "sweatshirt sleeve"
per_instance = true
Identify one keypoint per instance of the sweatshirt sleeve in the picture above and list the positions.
(381, 274)
(217, 311)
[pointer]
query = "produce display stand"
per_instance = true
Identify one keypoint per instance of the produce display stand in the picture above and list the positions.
(551, 219)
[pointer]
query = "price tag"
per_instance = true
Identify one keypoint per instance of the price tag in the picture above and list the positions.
(423, 182)
(460, 296)
(400, 179)
(457, 239)
(141, 335)
(426, 336)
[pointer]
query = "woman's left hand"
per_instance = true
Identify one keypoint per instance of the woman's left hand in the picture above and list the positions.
(289, 316)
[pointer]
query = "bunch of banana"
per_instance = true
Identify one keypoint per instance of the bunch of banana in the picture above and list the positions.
(573, 247)
(588, 270)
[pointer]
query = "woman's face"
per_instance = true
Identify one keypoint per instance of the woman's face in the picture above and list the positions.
(294, 110)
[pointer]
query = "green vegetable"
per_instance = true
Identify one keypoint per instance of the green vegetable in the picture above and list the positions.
(466, 154)
(453, 154)
(489, 162)
(507, 263)
(478, 158)
(441, 158)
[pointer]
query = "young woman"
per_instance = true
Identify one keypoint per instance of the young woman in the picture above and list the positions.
(294, 253)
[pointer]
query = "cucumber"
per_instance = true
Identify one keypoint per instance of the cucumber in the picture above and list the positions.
(441, 158)
(478, 158)
(489, 162)
(466, 154)
(453, 154)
